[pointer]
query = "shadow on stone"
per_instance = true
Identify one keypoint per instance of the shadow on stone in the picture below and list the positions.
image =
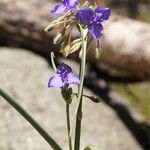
(140, 131)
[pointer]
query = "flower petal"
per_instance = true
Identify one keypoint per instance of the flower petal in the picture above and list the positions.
(96, 30)
(63, 68)
(103, 13)
(72, 78)
(59, 9)
(55, 82)
(85, 15)
(71, 3)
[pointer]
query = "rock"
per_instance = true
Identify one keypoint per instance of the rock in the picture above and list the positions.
(25, 75)
(121, 41)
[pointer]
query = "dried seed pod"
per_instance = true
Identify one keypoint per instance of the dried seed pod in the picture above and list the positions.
(55, 23)
(58, 38)
(62, 47)
(75, 47)
(76, 41)
(50, 27)
(98, 52)
(60, 35)
(67, 50)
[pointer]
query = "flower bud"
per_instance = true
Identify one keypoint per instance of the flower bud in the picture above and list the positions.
(50, 27)
(60, 35)
(86, 4)
(95, 99)
(67, 94)
(90, 148)
(58, 38)
(98, 51)
(87, 148)
(55, 23)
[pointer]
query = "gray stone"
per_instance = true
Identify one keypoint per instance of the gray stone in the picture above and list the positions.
(25, 75)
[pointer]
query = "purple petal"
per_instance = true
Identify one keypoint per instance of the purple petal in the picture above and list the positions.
(63, 69)
(70, 3)
(55, 82)
(96, 30)
(59, 9)
(72, 78)
(103, 13)
(85, 15)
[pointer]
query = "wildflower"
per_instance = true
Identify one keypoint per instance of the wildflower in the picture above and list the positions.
(64, 6)
(63, 76)
(93, 19)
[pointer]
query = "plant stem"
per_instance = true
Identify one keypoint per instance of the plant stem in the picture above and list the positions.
(82, 74)
(31, 120)
(52, 61)
(68, 125)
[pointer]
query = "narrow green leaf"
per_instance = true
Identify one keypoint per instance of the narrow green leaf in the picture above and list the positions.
(31, 120)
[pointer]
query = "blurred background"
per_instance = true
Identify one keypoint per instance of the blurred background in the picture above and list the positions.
(121, 77)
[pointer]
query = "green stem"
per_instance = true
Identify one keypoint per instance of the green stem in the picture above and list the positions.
(29, 118)
(68, 125)
(82, 74)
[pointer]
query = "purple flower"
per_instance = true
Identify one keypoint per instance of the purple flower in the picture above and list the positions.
(93, 19)
(64, 6)
(64, 75)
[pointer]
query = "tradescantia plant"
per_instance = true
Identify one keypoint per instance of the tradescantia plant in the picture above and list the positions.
(88, 20)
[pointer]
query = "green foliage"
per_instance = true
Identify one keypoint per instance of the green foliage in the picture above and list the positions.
(138, 95)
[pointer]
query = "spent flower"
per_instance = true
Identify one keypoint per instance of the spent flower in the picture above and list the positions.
(63, 76)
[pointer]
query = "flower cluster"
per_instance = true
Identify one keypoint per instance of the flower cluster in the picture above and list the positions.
(92, 18)
(72, 13)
